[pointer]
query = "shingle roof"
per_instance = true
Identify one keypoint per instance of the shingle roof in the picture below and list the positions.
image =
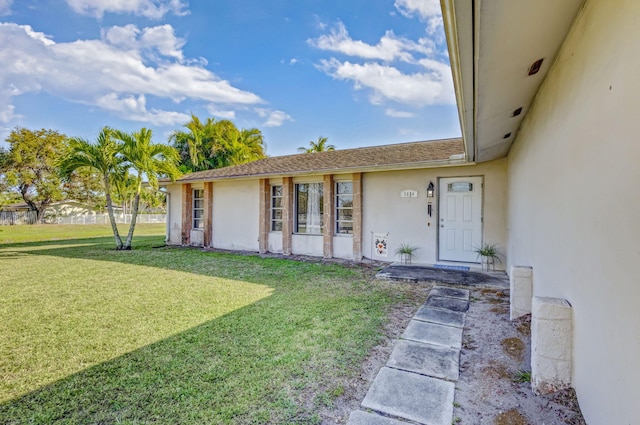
(388, 156)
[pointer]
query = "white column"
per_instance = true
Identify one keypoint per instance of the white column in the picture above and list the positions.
(551, 345)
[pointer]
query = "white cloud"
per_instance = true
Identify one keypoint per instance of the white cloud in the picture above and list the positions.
(422, 8)
(154, 41)
(293, 61)
(389, 48)
(5, 7)
(226, 114)
(274, 118)
(135, 109)
(433, 86)
(153, 9)
(119, 72)
(399, 114)
(428, 11)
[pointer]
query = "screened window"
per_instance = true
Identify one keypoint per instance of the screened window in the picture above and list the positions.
(276, 208)
(344, 208)
(198, 209)
(309, 208)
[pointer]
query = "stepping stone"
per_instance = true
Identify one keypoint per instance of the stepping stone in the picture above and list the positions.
(432, 333)
(411, 396)
(358, 417)
(441, 316)
(426, 359)
(448, 303)
(445, 291)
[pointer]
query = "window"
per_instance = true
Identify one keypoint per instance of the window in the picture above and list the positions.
(344, 208)
(198, 208)
(460, 187)
(276, 208)
(309, 208)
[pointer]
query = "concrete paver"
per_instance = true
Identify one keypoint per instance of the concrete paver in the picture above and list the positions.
(432, 333)
(411, 396)
(446, 291)
(448, 303)
(440, 315)
(426, 359)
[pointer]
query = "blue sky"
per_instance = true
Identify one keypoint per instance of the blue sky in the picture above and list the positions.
(359, 72)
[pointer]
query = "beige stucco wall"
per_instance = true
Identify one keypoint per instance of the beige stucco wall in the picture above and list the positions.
(574, 205)
(406, 219)
(174, 209)
(236, 212)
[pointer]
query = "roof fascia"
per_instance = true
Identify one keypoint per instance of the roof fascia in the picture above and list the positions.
(458, 21)
(381, 168)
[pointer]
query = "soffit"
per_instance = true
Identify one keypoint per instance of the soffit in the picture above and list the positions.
(492, 44)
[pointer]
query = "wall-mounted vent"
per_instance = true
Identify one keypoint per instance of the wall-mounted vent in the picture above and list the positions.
(535, 67)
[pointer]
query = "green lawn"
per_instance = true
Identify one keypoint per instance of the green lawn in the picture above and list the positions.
(167, 335)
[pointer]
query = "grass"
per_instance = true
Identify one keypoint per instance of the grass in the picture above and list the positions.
(164, 335)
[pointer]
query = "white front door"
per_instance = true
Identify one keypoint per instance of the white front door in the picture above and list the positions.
(460, 231)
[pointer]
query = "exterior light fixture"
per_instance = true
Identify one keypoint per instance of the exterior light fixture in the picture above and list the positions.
(535, 67)
(430, 190)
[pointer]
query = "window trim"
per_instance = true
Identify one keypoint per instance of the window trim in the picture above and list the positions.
(337, 209)
(197, 223)
(296, 224)
(273, 208)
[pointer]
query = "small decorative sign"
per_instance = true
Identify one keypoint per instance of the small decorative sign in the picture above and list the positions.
(380, 243)
(409, 194)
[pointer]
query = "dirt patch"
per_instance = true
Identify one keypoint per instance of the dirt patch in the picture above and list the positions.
(510, 417)
(514, 347)
(493, 387)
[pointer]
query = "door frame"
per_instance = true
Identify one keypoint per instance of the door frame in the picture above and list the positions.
(438, 200)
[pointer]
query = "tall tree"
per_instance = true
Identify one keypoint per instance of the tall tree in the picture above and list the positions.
(102, 157)
(215, 144)
(30, 167)
(318, 146)
(149, 160)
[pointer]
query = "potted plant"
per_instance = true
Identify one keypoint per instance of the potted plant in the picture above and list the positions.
(405, 251)
(489, 254)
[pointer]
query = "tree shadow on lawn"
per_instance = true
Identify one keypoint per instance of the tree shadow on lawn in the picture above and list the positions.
(248, 366)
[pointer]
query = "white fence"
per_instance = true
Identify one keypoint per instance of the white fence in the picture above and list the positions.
(104, 219)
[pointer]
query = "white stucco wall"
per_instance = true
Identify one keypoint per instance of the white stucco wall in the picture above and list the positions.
(175, 214)
(574, 205)
(275, 242)
(236, 212)
(343, 247)
(406, 219)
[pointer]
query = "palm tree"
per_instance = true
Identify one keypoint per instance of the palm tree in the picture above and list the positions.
(102, 157)
(147, 159)
(248, 146)
(319, 146)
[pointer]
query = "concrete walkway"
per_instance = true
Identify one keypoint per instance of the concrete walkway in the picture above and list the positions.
(417, 384)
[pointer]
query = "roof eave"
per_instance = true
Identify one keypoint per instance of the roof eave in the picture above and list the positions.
(344, 170)
(458, 25)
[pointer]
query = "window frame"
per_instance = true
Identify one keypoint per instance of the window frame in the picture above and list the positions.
(338, 208)
(197, 223)
(296, 224)
(273, 208)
